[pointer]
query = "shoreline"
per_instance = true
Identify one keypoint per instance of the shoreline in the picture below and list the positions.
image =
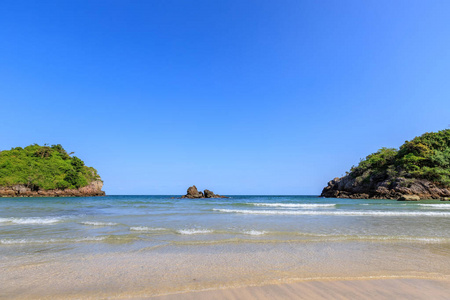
(206, 272)
(397, 287)
(368, 287)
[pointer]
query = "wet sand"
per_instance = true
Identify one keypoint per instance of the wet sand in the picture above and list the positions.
(319, 270)
(400, 288)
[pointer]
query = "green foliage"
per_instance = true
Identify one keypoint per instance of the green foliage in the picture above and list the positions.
(77, 163)
(424, 157)
(376, 162)
(44, 167)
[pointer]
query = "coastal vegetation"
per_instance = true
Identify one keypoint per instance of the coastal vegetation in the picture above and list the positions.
(419, 167)
(424, 157)
(44, 168)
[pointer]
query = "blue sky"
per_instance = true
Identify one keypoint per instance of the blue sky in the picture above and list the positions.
(241, 97)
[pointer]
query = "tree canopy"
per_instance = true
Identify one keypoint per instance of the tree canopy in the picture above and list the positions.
(424, 157)
(44, 167)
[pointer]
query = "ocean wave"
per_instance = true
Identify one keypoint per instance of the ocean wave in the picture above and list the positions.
(438, 206)
(25, 241)
(145, 228)
(255, 232)
(99, 223)
(194, 231)
(50, 241)
(321, 239)
(335, 213)
(32, 220)
(295, 205)
(430, 240)
(371, 238)
(427, 240)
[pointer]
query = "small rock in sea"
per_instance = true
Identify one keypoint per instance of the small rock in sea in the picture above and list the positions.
(193, 193)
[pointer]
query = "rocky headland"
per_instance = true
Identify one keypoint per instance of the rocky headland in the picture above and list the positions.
(419, 169)
(193, 193)
(402, 189)
(46, 171)
(20, 190)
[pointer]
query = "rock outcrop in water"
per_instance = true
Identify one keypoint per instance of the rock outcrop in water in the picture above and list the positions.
(193, 193)
(46, 171)
(420, 169)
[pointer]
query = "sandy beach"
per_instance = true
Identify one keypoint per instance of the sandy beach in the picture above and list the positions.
(400, 288)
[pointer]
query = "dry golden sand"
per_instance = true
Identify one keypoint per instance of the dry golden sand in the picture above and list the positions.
(339, 289)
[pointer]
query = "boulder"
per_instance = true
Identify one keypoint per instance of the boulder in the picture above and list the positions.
(409, 198)
(193, 193)
(209, 194)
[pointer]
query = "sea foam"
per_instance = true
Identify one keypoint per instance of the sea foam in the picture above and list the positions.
(145, 228)
(99, 223)
(48, 241)
(335, 213)
(438, 206)
(194, 231)
(294, 205)
(255, 232)
(32, 220)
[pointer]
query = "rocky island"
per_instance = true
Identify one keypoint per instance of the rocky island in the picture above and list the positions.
(193, 193)
(419, 169)
(46, 171)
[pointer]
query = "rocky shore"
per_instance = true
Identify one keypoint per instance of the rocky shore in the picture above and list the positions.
(193, 193)
(402, 189)
(93, 189)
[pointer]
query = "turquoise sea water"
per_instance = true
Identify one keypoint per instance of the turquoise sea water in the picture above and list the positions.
(117, 246)
(30, 225)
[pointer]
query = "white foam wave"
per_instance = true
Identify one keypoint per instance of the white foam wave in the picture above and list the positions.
(429, 240)
(335, 213)
(255, 232)
(99, 223)
(24, 241)
(145, 228)
(32, 241)
(194, 231)
(438, 206)
(33, 220)
(294, 205)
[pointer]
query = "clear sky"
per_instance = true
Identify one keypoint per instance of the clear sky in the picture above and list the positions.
(241, 97)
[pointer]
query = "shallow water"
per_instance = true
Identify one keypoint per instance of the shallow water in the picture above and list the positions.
(34, 222)
(246, 239)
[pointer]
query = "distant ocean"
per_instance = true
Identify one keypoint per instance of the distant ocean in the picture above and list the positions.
(245, 239)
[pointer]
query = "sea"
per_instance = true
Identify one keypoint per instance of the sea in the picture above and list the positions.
(153, 245)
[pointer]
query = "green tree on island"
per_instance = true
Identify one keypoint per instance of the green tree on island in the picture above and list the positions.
(44, 168)
(424, 157)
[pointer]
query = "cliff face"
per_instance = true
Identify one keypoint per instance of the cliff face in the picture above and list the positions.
(93, 189)
(348, 187)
